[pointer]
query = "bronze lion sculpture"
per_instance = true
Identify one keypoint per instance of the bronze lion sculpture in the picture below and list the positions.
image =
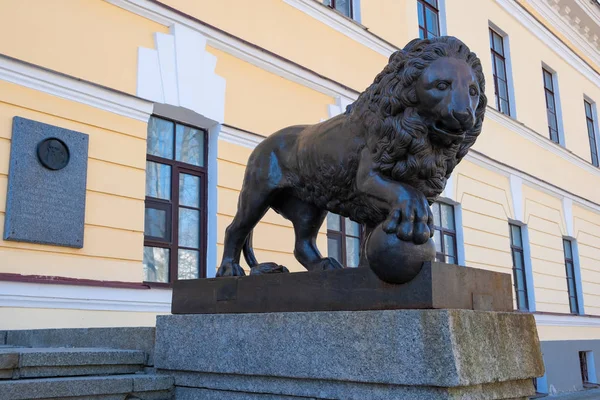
(382, 163)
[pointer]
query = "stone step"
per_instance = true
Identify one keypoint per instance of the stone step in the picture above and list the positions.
(24, 362)
(110, 387)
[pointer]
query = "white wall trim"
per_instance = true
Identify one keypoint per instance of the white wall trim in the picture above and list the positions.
(578, 281)
(42, 295)
(237, 48)
(74, 89)
(567, 320)
(567, 29)
(542, 141)
(516, 191)
(240, 137)
(343, 25)
(539, 30)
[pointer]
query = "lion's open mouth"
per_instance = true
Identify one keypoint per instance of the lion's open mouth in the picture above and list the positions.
(449, 132)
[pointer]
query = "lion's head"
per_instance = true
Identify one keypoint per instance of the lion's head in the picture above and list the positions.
(423, 112)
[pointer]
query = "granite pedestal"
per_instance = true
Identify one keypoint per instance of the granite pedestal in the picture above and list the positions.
(350, 355)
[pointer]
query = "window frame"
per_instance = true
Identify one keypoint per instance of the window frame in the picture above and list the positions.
(505, 60)
(553, 92)
(515, 249)
(446, 231)
(593, 136)
(178, 168)
(332, 6)
(341, 236)
(436, 10)
(573, 297)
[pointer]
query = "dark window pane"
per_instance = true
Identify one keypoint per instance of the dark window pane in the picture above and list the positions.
(156, 264)
(504, 107)
(519, 261)
(189, 228)
(519, 273)
(568, 249)
(588, 110)
(188, 264)
(590, 127)
(333, 222)
(433, 3)
(502, 89)
(189, 146)
(160, 138)
(522, 300)
(343, 6)
(334, 249)
(449, 246)
(352, 228)
(571, 286)
(327, 3)
(352, 252)
(500, 68)
(573, 305)
(432, 22)
(450, 260)
(516, 235)
(189, 190)
(498, 44)
(420, 13)
(155, 223)
(448, 216)
(158, 180)
(421, 33)
(548, 84)
(550, 102)
(436, 210)
(437, 238)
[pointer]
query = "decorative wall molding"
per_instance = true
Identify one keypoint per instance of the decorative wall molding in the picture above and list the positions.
(542, 33)
(545, 143)
(574, 20)
(516, 191)
(240, 137)
(180, 72)
(343, 25)
(237, 47)
(70, 88)
(40, 295)
(567, 320)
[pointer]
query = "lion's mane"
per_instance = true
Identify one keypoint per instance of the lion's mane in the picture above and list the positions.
(396, 134)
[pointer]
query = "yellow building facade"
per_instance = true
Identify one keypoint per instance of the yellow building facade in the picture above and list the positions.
(525, 201)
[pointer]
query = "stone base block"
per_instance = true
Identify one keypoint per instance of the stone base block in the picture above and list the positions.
(351, 355)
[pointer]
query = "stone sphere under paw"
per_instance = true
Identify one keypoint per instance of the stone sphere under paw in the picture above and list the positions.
(394, 260)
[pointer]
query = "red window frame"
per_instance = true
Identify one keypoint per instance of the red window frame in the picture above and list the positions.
(551, 111)
(172, 207)
(499, 54)
(422, 7)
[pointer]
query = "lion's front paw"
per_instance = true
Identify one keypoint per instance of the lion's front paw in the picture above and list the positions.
(230, 269)
(326, 264)
(411, 220)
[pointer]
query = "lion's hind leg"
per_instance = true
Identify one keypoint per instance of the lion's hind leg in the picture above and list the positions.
(307, 219)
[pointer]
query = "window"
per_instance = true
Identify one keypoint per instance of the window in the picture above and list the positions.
(343, 6)
(500, 75)
(429, 18)
(589, 117)
(551, 105)
(583, 365)
(445, 233)
(175, 217)
(516, 247)
(571, 285)
(343, 240)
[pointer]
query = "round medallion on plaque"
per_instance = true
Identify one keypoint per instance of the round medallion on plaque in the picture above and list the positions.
(53, 153)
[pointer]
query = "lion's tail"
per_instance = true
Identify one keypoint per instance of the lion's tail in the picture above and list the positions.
(249, 252)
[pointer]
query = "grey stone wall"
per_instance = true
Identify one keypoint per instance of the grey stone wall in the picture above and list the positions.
(561, 358)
